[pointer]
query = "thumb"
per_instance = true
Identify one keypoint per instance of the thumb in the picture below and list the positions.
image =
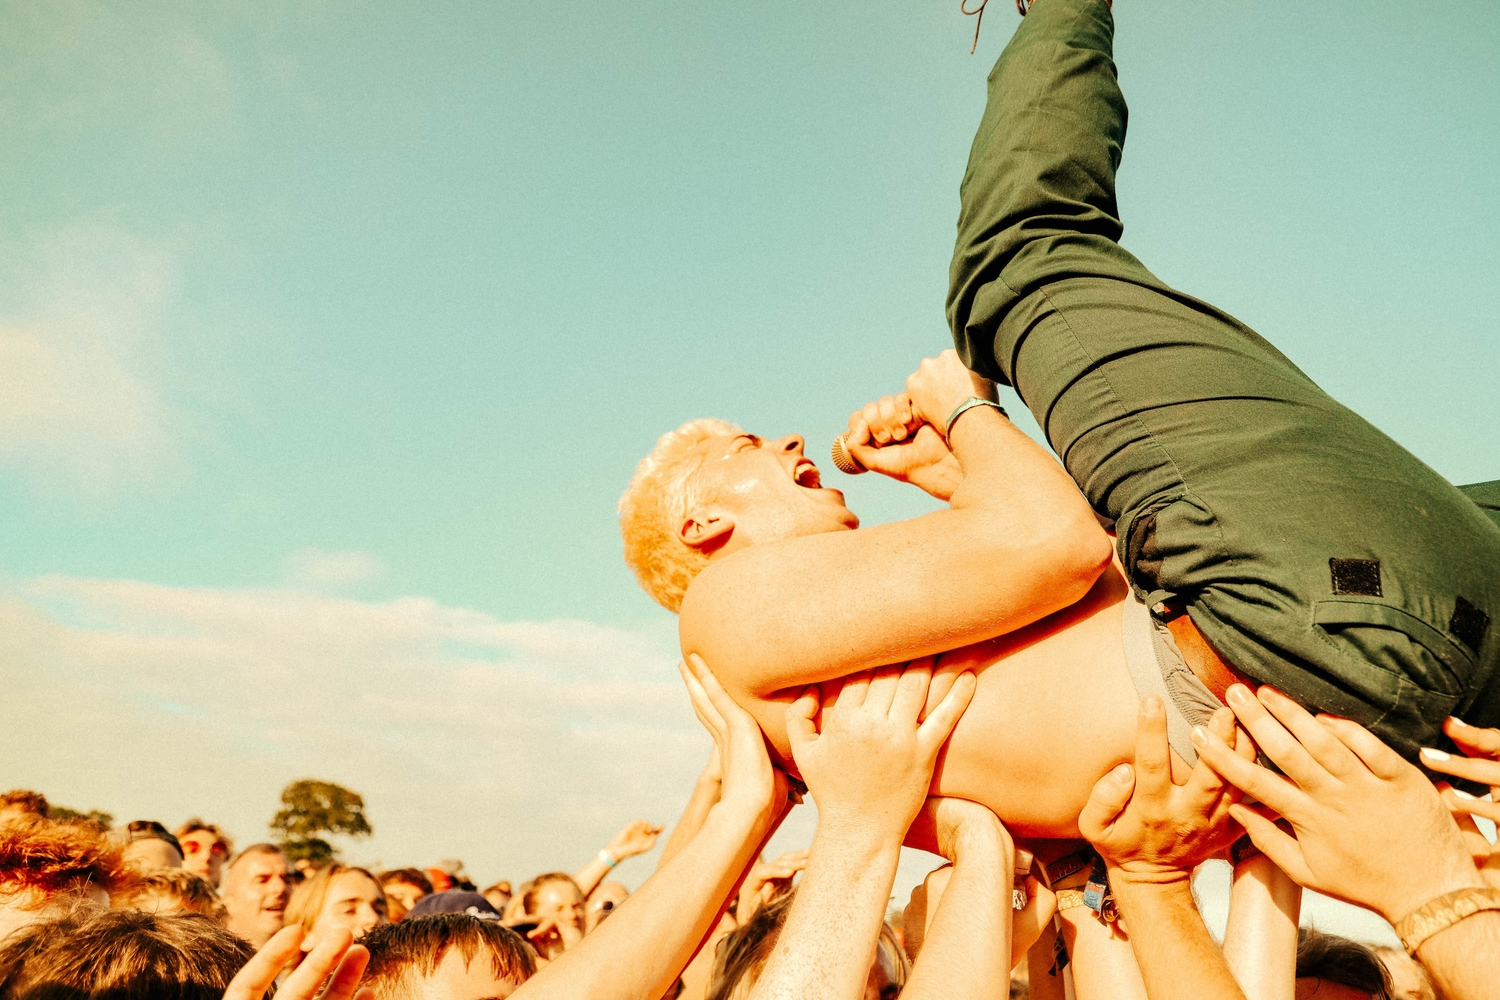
(800, 730)
(1110, 796)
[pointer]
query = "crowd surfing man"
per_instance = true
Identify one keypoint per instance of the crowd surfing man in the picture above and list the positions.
(1263, 532)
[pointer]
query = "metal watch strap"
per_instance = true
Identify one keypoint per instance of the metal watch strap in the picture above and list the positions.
(1443, 912)
(965, 407)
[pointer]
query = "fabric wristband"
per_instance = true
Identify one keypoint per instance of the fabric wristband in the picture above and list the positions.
(965, 407)
(1442, 913)
(607, 857)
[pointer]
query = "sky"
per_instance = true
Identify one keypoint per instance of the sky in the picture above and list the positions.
(330, 334)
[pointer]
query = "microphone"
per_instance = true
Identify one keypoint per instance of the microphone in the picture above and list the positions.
(842, 460)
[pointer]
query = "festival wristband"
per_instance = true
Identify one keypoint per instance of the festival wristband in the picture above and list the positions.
(965, 407)
(1442, 913)
(608, 858)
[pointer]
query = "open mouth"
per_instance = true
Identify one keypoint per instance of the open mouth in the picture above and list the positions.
(806, 475)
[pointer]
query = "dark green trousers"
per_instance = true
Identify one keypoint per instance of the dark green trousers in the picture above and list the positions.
(1310, 549)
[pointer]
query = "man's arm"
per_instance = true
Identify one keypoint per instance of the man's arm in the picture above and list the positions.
(1260, 939)
(637, 837)
(1152, 834)
(638, 953)
(1018, 543)
(1368, 827)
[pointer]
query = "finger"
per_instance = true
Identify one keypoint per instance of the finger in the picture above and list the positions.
(702, 704)
(1321, 745)
(1027, 924)
(346, 978)
(1108, 799)
(1459, 801)
(904, 410)
(878, 431)
(800, 729)
(1473, 740)
(726, 706)
(911, 690)
(256, 976)
(1273, 739)
(1486, 772)
(1274, 842)
(1382, 761)
(1474, 840)
(1244, 746)
(852, 693)
(859, 429)
(895, 426)
(305, 982)
(1252, 779)
(882, 693)
(934, 732)
(1153, 756)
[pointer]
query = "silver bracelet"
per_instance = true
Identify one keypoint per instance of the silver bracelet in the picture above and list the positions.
(968, 405)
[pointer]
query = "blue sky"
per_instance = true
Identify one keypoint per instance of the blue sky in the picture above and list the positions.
(383, 302)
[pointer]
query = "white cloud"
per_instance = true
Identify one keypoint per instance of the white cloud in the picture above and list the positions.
(317, 569)
(519, 746)
(79, 311)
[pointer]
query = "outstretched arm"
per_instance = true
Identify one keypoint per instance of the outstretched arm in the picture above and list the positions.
(1017, 543)
(1260, 939)
(639, 952)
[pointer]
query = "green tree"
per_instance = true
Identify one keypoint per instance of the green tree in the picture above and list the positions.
(98, 817)
(309, 808)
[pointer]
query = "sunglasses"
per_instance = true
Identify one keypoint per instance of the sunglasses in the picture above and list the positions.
(217, 848)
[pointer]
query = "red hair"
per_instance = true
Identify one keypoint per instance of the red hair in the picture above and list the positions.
(51, 857)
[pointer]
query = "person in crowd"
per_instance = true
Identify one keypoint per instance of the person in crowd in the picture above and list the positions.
(440, 879)
(255, 893)
(20, 803)
(499, 895)
(147, 846)
(602, 902)
(635, 838)
(1330, 967)
(95, 952)
(403, 888)
(205, 848)
(1340, 791)
(554, 904)
(172, 891)
(49, 866)
(455, 956)
(338, 898)
(768, 880)
(1409, 981)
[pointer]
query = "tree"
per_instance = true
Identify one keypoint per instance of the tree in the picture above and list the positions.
(98, 817)
(310, 807)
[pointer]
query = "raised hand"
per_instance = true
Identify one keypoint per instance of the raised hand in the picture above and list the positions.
(336, 956)
(766, 881)
(1481, 764)
(1146, 828)
(872, 763)
(939, 384)
(748, 777)
(1368, 827)
(636, 838)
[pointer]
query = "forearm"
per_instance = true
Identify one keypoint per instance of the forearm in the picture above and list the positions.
(828, 944)
(642, 948)
(1177, 956)
(705, 794)
(1103, 962)
(1464, 960)
(1260, 939)
(966, 950)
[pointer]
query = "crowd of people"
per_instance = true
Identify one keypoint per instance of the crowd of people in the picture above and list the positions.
(142, 911)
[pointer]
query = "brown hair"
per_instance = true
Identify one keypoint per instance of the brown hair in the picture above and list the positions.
(189, 892)
(33, 802)
(409, 876)
(414, 948)
(195, 824)
(121, 953)
(1340, 960)
(49, 857)
(529, 890)
(742, 954)
(308, 898)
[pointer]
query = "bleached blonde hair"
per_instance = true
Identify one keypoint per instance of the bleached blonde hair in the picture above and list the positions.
(652, 509)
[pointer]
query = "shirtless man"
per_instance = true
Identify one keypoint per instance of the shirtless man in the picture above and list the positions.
(1014, 582)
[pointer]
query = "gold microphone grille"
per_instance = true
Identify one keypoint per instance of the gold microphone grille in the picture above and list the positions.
(842, 460)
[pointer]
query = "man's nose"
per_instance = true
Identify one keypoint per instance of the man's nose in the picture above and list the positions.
(793, 443)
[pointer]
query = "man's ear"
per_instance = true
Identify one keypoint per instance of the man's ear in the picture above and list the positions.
(706, 530)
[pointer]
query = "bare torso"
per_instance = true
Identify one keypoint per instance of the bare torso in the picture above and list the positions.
(1054, 710)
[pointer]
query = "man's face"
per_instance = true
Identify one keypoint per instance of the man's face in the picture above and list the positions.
(603, 901)
(203, 854)
(255, 894)
(455, 980)
(770, 489)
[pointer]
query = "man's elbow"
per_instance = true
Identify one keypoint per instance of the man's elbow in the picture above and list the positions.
(1085, 552)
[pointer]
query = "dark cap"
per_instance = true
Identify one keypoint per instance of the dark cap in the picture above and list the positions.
(454, 901)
